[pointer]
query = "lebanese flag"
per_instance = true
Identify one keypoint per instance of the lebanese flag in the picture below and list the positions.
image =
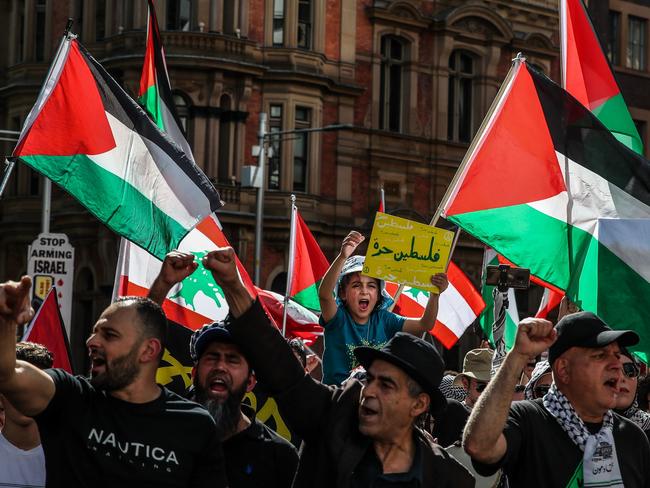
(587, 75)
(459, 306)
(573, 203)
(47, 329)
(308, 267)
(195, 301)
(90, 137)
(301, 322)
(155, 93)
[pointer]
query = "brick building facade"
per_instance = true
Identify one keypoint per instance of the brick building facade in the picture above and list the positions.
(413, 78)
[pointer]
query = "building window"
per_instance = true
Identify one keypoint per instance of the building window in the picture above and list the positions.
(40, 31)
(275, 125)
(179, 14)
(100, 19)
(183, 111)
(304, 24)
(301, 150)
(391, 83)
(224, 171)
(461, 88)
(636, 43)
(614, 38)
(278, 22)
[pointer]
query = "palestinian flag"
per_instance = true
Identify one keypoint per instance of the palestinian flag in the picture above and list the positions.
(550, 301)
(459, 306)
(307, 265)
(491, 258)
(573, 204)
(47, 329)
(587, 75)
(155, 92)
(88, 136)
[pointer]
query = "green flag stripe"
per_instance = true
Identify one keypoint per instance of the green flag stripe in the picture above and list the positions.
(151, 102)
(308, 297)
(112, 200)
(615, 116)
(602, 282)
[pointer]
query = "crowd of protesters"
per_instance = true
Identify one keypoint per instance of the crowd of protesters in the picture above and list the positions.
(566, 407)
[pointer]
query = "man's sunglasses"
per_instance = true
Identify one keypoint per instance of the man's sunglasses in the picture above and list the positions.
(631, 370)
(480, 387)
(541, 390)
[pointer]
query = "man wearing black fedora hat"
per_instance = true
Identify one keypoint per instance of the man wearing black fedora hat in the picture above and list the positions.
(363, 434)
(571, 436)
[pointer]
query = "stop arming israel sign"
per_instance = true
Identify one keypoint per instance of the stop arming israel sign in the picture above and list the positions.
(50, 262)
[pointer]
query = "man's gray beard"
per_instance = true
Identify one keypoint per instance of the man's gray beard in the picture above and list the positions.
(225, 414)
(119, 374)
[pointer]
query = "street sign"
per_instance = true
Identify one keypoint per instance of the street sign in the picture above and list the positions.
(50, 261)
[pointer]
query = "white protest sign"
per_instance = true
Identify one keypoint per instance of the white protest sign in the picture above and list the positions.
(50, 261)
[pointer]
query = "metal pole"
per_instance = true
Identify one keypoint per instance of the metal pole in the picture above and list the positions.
(292, 255)
(9, 167)
(259, 218)
(47, 202)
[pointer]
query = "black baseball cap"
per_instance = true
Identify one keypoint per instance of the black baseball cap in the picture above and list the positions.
(585, 329)
(416, 357)
(214, 332)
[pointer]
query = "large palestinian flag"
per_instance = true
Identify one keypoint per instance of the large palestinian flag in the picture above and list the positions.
(549, 187)
(88, 136)
(587, 75)
(307, 265)
(155, 92)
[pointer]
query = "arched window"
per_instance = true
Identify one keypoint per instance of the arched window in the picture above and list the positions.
(461, 94)
(391, 83)
(178, 15)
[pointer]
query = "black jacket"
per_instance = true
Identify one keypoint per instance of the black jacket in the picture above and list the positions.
(325, 417)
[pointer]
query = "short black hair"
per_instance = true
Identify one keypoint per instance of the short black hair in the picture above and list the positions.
(35, 354)
(152, 318)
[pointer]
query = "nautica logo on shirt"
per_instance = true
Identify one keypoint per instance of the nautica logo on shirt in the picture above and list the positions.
(97, 438)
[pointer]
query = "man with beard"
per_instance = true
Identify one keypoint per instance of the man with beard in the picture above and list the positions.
(355, 436)
(255, 455)
(120, 428)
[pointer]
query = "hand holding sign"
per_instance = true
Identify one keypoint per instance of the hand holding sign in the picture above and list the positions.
(408, 252)
(350, 243)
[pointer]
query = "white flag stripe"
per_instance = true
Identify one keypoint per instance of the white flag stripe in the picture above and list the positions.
(454, 312)
(132, 161)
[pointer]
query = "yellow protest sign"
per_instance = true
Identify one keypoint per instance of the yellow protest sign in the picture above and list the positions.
(407, 252)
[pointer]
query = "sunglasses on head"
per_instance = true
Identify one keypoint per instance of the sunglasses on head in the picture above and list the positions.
(630, 370)
(541, 390)
(480, 387)
(520, 388)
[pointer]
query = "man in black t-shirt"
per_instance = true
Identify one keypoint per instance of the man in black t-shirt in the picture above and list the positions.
(255, 455)
(570, 437)
(119, 428)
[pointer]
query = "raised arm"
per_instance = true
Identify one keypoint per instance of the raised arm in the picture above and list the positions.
(428, 320)
(328, 304)
(27, 388)
(176, 267)
(483, 437)
(269, 354)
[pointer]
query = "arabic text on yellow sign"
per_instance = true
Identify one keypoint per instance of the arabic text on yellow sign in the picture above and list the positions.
(407, 252)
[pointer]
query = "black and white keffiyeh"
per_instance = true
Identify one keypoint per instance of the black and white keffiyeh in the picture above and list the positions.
(599, 461)
(638, 416)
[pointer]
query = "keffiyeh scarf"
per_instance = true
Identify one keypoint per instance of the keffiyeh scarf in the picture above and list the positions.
(599, 461)
(638, 416)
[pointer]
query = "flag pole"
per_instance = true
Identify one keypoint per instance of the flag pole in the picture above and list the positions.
(292, 255)
(382, 199)
(10, 162)
(480, 135)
